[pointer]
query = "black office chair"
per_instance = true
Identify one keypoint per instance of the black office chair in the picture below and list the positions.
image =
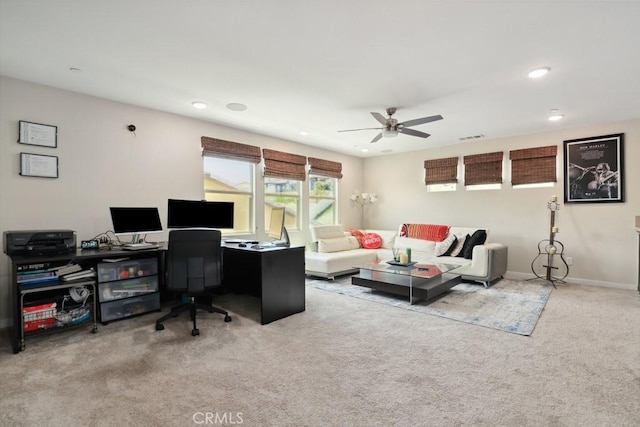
(194, 268)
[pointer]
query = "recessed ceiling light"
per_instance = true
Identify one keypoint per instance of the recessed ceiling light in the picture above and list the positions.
(364, 150)
(75, 69)
(199, 105)
(539, 72)
(304, 132)
(555, 115)
(234, 106)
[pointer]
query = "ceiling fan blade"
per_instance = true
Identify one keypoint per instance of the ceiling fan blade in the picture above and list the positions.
(379, 117)
(377, 138)
(420, 121)
(352, 130)
(413, 132)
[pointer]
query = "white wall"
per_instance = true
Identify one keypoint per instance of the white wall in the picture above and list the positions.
(600, 237)
(102, 164)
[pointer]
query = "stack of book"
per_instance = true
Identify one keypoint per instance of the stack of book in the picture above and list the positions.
(64, 273)
(36, 277)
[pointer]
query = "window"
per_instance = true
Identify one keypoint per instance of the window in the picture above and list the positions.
(432, 188)
(323, 184)
(229, 180)
(229, 177)
(483, 171)
(282, 192)
(322, 200)
(533, 167)
(441, 174)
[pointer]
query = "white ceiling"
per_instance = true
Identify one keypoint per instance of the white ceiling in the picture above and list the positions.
(323, 65)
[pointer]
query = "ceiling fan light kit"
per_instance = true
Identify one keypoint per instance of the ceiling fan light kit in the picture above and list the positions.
(391, 128)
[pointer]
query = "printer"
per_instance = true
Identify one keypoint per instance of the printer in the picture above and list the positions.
(38, 242)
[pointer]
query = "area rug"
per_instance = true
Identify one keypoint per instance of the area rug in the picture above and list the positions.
(508, 305)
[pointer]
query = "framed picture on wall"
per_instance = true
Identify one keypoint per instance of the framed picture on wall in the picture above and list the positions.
(37, 134)
(594, 169)
(38, 165)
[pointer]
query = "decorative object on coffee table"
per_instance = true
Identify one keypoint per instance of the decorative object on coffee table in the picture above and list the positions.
(550, 264)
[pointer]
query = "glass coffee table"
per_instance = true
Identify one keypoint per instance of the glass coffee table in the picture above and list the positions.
(417, 282)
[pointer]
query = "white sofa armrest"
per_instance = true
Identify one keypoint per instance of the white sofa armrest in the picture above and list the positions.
(489, 262)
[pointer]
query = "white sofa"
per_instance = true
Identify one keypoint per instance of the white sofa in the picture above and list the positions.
(334, 252)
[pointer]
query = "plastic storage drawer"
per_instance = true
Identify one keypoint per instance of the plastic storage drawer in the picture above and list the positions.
(122, 308)
(123, 270)
(140, 286)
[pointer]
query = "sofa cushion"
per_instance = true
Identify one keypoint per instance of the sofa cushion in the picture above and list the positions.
(477, 238)
(446, 246)
(459, 244)
(326, 264)
(421, 245)
(388, 237)
(326, 232)
(371, 241)
(337, 244)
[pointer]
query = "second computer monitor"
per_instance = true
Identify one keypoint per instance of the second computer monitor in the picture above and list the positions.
(199, 214)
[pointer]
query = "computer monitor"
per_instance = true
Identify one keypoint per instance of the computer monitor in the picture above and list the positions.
(199, 214)
(135, 221)
(277, 230)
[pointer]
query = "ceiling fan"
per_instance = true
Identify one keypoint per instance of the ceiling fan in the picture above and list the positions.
(391, 127)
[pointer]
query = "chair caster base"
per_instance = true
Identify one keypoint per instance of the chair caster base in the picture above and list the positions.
(227, 318)
(159, 327)
(195, 332)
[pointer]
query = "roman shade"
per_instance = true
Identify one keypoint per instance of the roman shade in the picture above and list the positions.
(284, 165)
(533, 165)
(441, 171)
(325, 168)
(214, 147)
(483, 168)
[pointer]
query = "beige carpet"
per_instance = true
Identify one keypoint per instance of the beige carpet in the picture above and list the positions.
(343, 362)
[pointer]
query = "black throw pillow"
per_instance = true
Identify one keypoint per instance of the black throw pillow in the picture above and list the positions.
(477, 238)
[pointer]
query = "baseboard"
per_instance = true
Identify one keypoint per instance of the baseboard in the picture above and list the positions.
(577, 281)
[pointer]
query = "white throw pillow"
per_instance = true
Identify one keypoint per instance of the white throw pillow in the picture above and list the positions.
(337, 244)
(459, 244)
(443, 247)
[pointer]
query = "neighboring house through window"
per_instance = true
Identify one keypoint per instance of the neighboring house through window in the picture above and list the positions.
(322, 200)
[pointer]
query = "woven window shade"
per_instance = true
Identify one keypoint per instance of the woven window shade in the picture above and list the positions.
(230, 150)
(441, 171)
(325, 168)
(284, 165)
(483, 168)
(533, 165)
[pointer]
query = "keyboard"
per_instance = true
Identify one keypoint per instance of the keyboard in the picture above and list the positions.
(139, 246)
(263, 245)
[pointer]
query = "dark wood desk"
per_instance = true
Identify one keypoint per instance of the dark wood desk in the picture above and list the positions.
(275, 275)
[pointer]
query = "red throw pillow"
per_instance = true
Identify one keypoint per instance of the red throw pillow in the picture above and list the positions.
(371, 241)
(356, 233)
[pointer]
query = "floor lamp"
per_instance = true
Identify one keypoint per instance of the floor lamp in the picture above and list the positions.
(363, 199)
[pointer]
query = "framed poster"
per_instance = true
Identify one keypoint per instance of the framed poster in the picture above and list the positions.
(594, 169)
(37, 134)
(38, 165)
